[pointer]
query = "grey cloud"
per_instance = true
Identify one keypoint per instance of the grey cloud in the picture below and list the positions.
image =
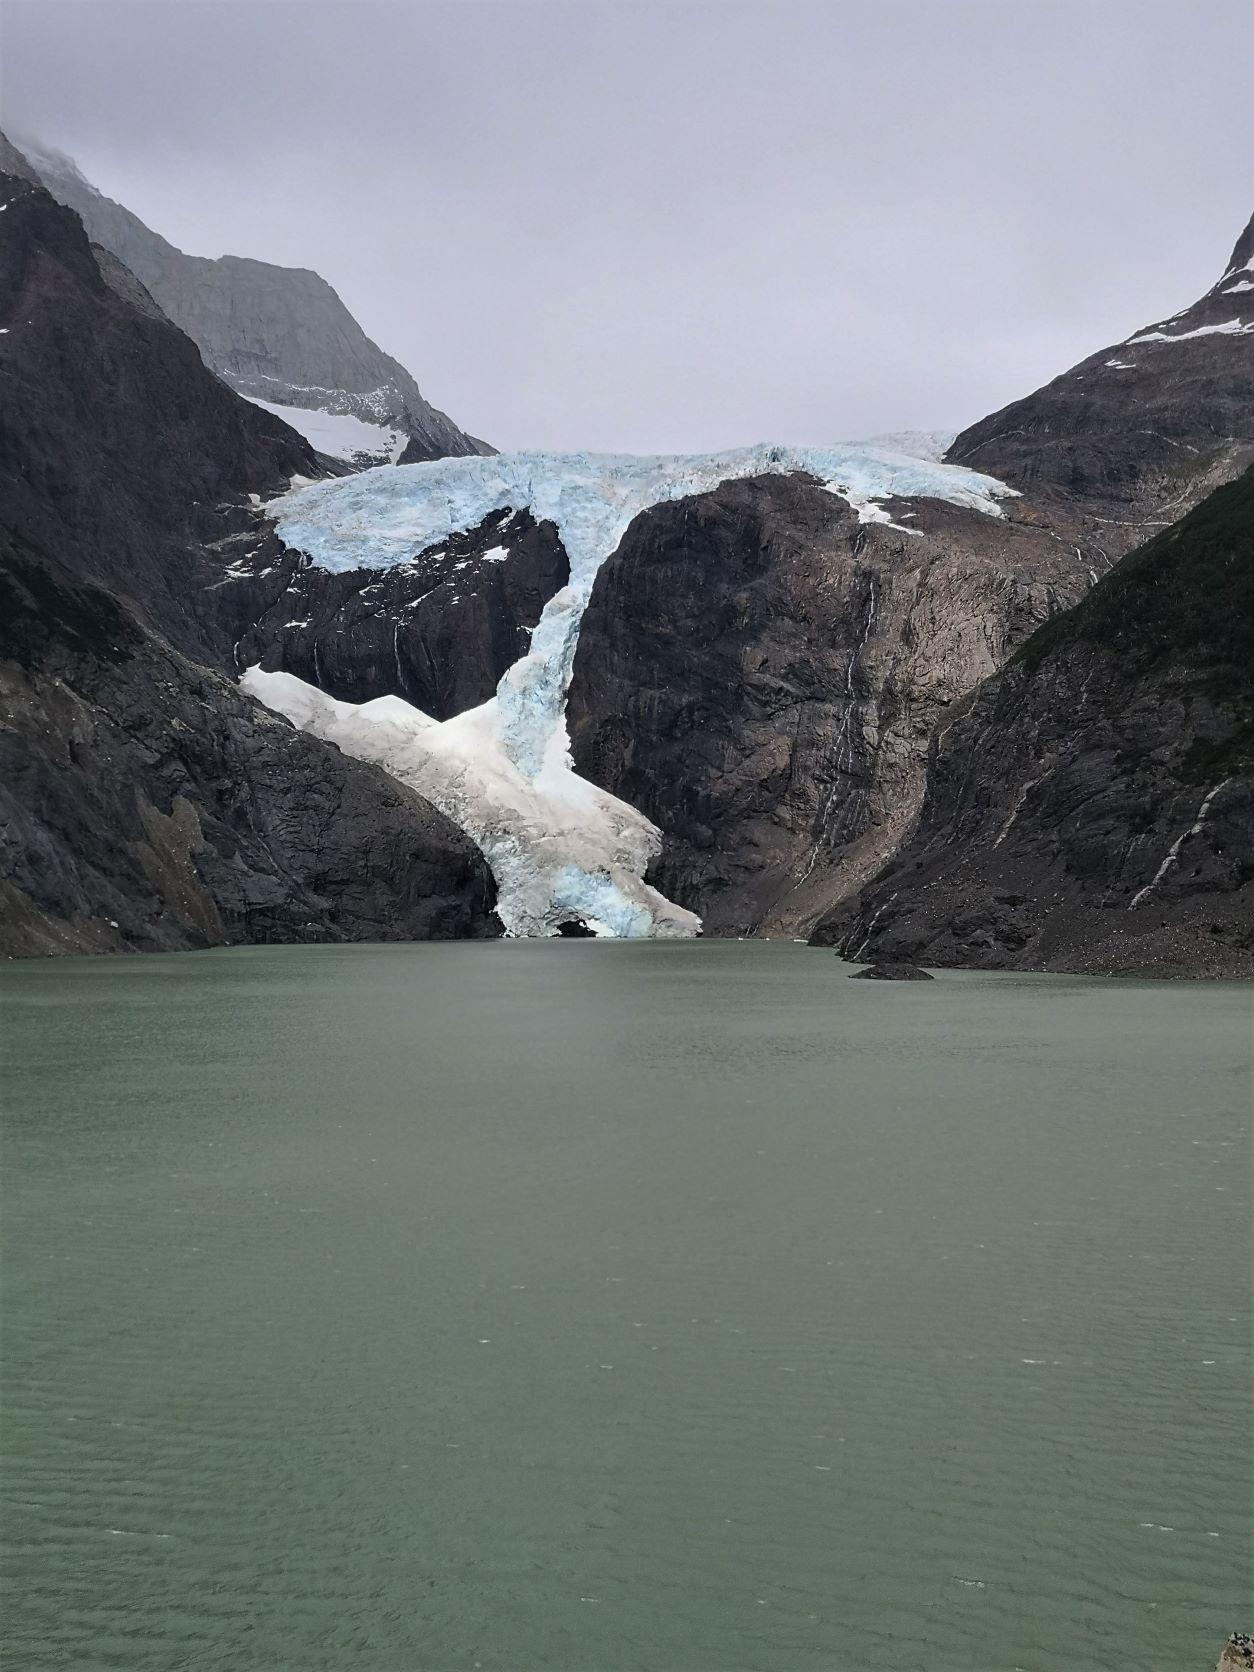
(687, 225)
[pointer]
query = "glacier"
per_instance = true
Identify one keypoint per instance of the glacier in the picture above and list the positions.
(558, 846)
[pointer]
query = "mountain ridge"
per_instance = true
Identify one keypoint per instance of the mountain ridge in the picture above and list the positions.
(1144, 427)
(280, 334)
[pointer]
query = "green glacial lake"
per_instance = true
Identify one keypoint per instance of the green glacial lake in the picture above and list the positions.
(587, 1306)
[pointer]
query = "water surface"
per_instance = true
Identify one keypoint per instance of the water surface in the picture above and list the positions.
(583, 1306)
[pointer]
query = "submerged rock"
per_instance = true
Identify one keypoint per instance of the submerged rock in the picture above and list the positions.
(892, 972)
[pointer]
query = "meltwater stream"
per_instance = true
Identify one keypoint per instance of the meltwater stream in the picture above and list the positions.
(576, 1305)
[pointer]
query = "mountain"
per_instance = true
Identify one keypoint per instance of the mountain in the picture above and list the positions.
(763, 676)
(569, 844)
(280, 336)
(147, 802)
(750, 656)
(1143, 429)
(1091, 807)
(625, 695)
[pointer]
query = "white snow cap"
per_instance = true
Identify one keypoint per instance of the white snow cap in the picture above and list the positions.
(558, 846)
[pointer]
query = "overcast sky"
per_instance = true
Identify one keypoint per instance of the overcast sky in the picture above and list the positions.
(685, 225)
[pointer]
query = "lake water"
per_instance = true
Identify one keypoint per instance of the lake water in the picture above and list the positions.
(584, 1306)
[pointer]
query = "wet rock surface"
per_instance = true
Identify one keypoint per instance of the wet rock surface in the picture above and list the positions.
(1091, 808)
(147, 804)
(760, 673)
(764, 675)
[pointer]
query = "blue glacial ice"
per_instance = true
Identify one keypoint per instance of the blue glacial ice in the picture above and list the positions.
(558, 846)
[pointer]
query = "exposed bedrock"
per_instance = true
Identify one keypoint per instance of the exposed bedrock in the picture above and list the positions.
(1091, 808)
(439, 630)
(1140, 432)
(147, 804)
(760, 673)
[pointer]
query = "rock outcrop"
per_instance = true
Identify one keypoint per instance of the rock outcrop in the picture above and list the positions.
(1091, 807)
(279, 334)
(438, 631)
(147, 802)
(1238, 1655)
(760, 673)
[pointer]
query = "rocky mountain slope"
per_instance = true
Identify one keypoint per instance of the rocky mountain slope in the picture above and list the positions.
(1091, 807)
(760, 672)
(440, 630)
(762, 676)
(279, 335)
(1140, 431)
(146, 802)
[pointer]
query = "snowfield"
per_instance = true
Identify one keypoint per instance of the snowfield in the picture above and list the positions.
(339, 434)
(558, 846)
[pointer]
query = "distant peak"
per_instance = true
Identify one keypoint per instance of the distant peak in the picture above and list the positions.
(1243, 253)
(47, 160)
(14, 162)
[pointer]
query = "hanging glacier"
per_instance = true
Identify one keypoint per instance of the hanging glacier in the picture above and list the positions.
(558, 846)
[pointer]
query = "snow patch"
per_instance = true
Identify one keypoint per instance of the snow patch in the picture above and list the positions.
(1236, 289)
(871, 511)
(1229, 328)
(339, 434)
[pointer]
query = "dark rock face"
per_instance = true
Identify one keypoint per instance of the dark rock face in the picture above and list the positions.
(1091, 808)
(119, 454)
(891, 972)
(438, 631)
(1145, 429)
(760, 673)
(576, 929)
(147, 803)
(277, 333)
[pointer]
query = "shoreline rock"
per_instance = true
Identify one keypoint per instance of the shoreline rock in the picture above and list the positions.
(891, 972)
